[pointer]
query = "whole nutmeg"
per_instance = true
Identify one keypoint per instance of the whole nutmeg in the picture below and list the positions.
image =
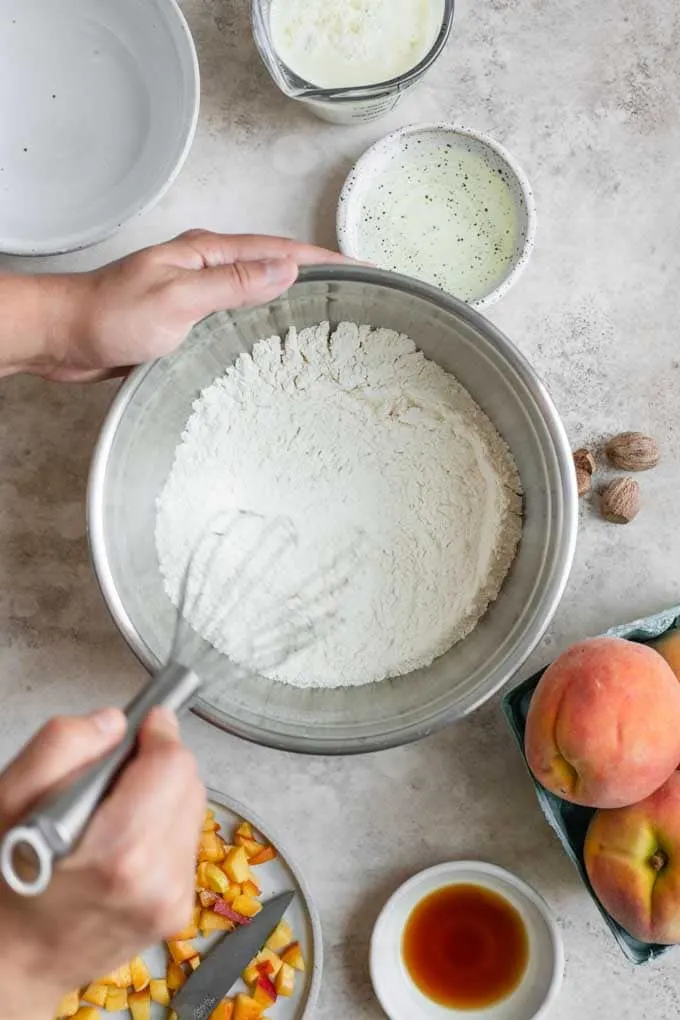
(621, 501)
(584, 461)
(633, 451)
(584, 481)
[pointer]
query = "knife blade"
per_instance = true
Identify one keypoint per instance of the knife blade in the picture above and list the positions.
(208, 985)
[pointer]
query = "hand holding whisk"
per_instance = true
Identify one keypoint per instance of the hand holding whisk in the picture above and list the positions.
(230, 622)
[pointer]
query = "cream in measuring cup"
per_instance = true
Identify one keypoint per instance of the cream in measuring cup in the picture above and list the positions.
(350, 59)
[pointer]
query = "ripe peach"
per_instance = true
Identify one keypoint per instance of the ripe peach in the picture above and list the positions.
(632, 857)
(603, 727)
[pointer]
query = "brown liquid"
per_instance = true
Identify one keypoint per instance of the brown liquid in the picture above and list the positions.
(465, 947)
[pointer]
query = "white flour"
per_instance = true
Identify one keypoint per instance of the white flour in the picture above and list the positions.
(354, 430)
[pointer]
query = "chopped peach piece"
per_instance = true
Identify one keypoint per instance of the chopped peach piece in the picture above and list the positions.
(293, 956)
(207, 898)
(215, 878)
(86, 1013)
(247, 905)
(95, 994)
(281, 937)
(211, 847)
(176, 976)
(140, 1005)
(251, 888)
(209, 823)
(223, 1011)
(190, 931)
(251, 846)
(268, 854)
(264, 992)
(246, 1008)
(181, 951)
(195, 962)
(116, 1000)
(120, 978)
(210, 922)
(69, 1004)
(244, 829)
(139, 972)
(266, 962)
(285, 980)
(232, 892)
(235, 865)
(158, 988)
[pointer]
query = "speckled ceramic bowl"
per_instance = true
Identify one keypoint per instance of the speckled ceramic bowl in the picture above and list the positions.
(430, 221)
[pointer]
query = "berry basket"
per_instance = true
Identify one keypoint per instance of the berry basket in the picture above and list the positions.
(570, 821)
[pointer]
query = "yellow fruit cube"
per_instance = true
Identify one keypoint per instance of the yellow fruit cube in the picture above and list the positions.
(140, 1004)
(159, 991)
(235, 865)
(281, 937)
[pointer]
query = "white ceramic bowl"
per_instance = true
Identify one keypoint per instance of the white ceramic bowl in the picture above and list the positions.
(98, 105)
(399, 996)
(355, 207)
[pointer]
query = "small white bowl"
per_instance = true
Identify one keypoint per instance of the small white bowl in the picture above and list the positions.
(399, 996)
(417, 233)
(98, 105)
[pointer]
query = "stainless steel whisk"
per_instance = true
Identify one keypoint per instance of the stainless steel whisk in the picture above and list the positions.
(225, 575)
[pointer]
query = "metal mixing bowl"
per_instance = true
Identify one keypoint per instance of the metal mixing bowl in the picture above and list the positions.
(135, 452)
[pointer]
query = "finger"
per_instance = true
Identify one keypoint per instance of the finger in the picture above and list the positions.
(219, 249)
(62, 747)
(239, 285)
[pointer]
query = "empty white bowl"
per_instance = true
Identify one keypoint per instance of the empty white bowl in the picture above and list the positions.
(98, 105)
(540, 985)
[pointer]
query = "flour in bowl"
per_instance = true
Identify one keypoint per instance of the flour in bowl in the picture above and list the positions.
(349, 431)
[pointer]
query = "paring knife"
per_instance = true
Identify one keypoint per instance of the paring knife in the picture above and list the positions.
(208, 985)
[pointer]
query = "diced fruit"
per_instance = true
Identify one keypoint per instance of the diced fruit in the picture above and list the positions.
(247, 905)
(235, 865)
(268, 854)
(245, 829)
(266, 962)
(181, 951)
(251, 888)
(211, 847)
(210, 922)
(176, 976)
(232, 892)
(140, 1005)
(116, 1000)
(224, 909)
(139, 973)
(215, 877)
(120, 978)
(195, 962)
(95, 994)
(224, 1011)
(209, 823)
(281, 937)
(207, 897)
(293, 956)
(191, 930)
(158, 987)
(251, 846)
(246, 1008)
(86, 1013)
(264, 992)
(285, 980)
(69, 1004)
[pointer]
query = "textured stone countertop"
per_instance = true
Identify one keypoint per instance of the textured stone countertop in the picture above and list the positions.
(585, 96)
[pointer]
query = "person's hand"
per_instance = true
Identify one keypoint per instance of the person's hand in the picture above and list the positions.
(143, 306)
(131, 880)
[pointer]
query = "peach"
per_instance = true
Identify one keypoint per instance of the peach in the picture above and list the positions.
(603, 727)
(632, 857)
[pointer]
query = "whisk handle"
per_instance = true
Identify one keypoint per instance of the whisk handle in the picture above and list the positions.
(52, 830)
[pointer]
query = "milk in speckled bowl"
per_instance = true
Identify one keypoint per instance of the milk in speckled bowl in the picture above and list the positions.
(441, 204)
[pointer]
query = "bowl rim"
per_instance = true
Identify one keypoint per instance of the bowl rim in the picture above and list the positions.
(362, 168)
(490, 876)
(525, 643)
(98, 232)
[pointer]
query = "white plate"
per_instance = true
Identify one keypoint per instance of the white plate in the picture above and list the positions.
(98, 106)
(277, 876)
(399, 996)
(410, 195)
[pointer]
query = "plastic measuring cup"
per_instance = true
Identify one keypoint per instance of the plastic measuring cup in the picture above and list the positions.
(343, 105)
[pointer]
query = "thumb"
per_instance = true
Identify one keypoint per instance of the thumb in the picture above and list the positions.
(242, 284)
(62, 747)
